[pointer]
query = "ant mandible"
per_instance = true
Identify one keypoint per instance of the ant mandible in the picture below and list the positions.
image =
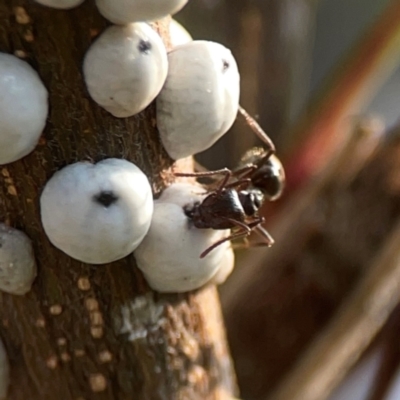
(235, 202)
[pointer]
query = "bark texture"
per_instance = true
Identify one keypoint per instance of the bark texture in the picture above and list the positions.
(87, 332)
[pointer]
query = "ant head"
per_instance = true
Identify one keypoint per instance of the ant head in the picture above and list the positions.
(270, 178)
(251, 200)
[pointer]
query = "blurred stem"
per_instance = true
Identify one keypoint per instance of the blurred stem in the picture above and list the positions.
(248, 23)
(391, 357)
(284, 65)
(351, 331)
(290, 229)
(315, 138)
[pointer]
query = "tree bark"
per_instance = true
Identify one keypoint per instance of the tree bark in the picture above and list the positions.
(86, 332)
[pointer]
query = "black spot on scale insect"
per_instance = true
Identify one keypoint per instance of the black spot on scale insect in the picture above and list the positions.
(106, 198)
(144, 46)
(235, 199)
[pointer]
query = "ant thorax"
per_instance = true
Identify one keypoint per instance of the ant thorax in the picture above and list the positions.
(251, 200)
(217, 210)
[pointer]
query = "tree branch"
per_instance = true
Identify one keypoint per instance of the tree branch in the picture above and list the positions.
(83, 331)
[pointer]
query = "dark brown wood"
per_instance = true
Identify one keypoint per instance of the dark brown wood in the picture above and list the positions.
(87, 332)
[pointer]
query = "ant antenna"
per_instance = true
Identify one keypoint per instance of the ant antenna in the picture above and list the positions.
(256, 128)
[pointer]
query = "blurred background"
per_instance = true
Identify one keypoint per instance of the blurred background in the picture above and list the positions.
(316, 316)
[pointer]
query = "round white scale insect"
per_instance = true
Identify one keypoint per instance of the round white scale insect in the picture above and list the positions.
(60, 4)
(200, 99)
(225, 269)
(4, 372)
(97, 213)
(178, 34)
(23, 108)
(169, 255)
(125, 11)
(125, 68)
(17, 261)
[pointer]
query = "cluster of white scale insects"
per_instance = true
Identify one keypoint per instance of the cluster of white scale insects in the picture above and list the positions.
(99, 213)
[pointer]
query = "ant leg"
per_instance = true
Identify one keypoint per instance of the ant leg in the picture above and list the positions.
(227, 173)
(269, 240)
(245, 171)
(253, 124)
(236, 235)
(256, 225)
(246, 244)
(204, 174)
(239, 184)
(244, 231)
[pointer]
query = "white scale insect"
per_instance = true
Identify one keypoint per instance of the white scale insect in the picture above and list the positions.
(97, 213)
(169, 255)
(17, 261)
(126, 11)
(60, 4)
(200, 98)
(22, 123)
(125, 68)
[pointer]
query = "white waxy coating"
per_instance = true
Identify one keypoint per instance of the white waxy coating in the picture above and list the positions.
(226, 267)
(178, 34)
(23, 108)
(17, 261)
(125, 68)
(60, 4)
(4, 372)
(182, 193)
(125, 11)
(169, 255)
(97, 213)
(200, 98)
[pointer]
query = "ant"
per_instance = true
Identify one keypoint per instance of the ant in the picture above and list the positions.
(235, 203)
(268, 175)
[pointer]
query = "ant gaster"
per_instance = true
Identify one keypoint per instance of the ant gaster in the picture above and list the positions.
(234, 204)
